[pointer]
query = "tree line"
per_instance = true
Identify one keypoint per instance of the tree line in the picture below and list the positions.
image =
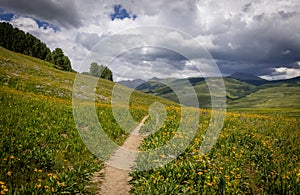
(17, 40)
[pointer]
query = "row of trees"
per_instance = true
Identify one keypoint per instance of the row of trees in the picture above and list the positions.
(17, 40)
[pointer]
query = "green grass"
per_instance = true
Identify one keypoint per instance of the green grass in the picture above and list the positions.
(240, 95)
(254, 154)
(278, 96)
(287, 112)
(41, 150)
(40, 146)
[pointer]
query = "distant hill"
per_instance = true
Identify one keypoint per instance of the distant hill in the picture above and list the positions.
(248, 78)
(132, 84)
(242, 90)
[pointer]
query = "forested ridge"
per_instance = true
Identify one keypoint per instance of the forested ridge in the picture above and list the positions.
(17, 40)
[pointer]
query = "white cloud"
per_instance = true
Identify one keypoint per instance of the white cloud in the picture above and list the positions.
(282, 73)
(25, 23)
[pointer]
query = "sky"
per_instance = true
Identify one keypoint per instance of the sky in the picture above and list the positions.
(171, 38)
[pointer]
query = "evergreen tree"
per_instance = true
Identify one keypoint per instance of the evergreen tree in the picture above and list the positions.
(17, 40)
(101, 71)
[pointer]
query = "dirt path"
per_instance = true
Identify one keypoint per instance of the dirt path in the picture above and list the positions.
(115, 181)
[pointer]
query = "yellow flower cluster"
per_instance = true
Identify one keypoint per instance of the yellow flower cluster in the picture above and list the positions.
(3, 188)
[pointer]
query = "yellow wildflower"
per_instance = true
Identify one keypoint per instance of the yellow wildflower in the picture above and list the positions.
(9, 173)
(11, 157)
(38, 186)
(2, 183)
(209, 184)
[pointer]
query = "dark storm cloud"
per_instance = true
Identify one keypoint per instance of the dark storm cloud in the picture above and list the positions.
(247, 7)
(287, 14)
(268, 43)
(63, 13)
(154, 54)
(257, 37)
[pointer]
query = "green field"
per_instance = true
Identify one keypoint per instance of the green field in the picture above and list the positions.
(41, 151)
(278, 95)
(254, 154)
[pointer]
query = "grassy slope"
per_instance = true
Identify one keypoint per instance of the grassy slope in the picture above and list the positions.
(280, 98)
(234, 90)
(277, 97)
(41, 150)
(254, 154)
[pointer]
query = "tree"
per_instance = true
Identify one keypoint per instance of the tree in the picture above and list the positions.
(17, 40)
(60, 60)
(101, 71)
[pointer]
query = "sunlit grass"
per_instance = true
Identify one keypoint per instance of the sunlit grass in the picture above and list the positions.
(254, 154)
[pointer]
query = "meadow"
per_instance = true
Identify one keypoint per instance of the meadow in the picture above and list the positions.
(254, 154)
(41, 150)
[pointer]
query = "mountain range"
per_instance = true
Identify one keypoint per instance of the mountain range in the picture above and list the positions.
(242, 91)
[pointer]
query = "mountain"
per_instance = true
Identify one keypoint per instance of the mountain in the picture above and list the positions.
(242, 90)
(291, 80)
(132, 84)
(284, 94)
(248, 78)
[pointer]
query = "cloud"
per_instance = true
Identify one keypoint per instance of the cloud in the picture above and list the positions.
(63, 13)
(282, 73)
(255, 37)
(87, 40)
(26, 24)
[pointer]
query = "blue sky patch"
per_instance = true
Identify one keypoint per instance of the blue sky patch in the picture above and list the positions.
(6, 16)
(121, 13)
(45, 25)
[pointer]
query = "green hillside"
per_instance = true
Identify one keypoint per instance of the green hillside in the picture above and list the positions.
(235, 89)
(240, 94)
(40, 148)
(275, 96)
(42, 152)
(280, 98)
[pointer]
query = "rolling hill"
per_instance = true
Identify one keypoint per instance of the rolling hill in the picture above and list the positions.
(41, 149)
(242, 91)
